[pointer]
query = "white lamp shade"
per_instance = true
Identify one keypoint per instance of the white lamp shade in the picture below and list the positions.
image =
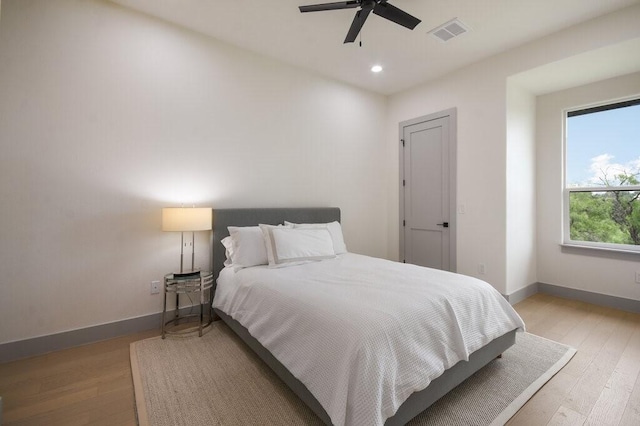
(186, 219)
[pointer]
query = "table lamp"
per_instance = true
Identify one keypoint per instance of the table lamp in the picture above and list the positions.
(187, 219)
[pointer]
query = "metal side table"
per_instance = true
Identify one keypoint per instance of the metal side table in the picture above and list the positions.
(178, 285)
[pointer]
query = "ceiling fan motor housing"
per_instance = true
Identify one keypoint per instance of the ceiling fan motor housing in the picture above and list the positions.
(378, 7)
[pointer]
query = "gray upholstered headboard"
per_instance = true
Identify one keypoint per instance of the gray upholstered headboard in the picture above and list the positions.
(252, 217)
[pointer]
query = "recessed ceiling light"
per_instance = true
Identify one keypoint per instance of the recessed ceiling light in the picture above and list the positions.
(376, 68)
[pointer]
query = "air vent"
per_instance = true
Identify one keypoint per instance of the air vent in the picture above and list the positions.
(449, 30)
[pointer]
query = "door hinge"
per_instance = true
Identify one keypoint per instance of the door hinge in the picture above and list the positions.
(404, 182)
(404, 223)
(402, 140)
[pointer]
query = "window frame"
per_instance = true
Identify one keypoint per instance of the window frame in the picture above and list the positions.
(566, 191)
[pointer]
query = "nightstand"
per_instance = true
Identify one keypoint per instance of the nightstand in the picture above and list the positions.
(198, 283)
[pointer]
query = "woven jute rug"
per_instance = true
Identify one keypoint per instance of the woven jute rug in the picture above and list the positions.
(217, 380)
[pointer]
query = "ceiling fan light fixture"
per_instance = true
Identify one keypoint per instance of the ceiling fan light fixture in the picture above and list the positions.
(376, 68)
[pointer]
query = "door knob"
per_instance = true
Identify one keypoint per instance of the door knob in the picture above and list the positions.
(443, 224)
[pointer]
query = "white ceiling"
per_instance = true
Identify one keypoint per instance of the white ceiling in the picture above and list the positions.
(599, 64)
(314, 41)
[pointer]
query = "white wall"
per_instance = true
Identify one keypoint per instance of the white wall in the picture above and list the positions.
(479, 92)
(612, 274)
(521, 188)
(106, 116)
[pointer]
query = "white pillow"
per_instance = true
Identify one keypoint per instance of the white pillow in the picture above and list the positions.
(335, 229)
(266, 238)
(227, 242)
(248, 247)
(291, 246)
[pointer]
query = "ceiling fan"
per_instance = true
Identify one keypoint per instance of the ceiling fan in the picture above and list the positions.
(379, 7)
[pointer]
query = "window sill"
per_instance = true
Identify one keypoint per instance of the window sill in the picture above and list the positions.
(587, 249)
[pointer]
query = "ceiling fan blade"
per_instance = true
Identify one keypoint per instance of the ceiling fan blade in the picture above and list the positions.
(329, 6)
(356, 25)
(396, 15)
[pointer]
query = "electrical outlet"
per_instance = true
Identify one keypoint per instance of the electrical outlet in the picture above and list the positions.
(481, 269)
(638, 277)
(155, 287)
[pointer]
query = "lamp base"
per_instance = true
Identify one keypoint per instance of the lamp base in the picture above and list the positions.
(190, 273)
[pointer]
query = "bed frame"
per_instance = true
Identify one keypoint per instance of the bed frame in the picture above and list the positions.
(418, 401)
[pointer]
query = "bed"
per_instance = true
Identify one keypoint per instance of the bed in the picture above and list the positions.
(403, 406)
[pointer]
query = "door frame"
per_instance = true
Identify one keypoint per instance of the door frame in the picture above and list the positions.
(451, 113)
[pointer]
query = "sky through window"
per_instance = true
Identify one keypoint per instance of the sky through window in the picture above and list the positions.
(602, 142)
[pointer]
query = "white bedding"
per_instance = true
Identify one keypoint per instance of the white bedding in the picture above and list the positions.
(363, 333)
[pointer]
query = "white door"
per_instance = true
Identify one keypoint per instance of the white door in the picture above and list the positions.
(427, 195)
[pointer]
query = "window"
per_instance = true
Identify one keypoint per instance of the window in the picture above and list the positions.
(602, 177)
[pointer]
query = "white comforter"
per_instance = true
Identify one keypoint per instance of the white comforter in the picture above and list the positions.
(363, 333)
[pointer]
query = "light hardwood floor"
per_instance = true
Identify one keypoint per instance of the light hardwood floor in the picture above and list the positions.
(92, 384)
(87, 385)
